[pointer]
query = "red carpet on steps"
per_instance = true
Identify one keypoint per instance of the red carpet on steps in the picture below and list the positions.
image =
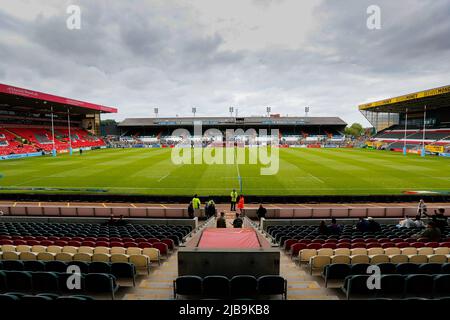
(229, 238)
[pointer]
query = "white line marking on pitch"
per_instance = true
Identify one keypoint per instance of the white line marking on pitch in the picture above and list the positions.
(317, 179)
(162, 178)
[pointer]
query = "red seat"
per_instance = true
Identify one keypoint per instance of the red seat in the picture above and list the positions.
(47, 243)
(318, 241)
(381, 240)
(103, 239)
(88, 243)
(116, 244)
(6, 241)
(90, 239)
(33, 242)
(295, 249)
(397, 240)
(402, 244)
(432, 244)
(143, 245)
(61, 243)
(79, 239)
(372, 245)
(130, 244)
(305, 241)
(5, 237)
(417, 244)
(329, 245)
(74, 243)
(40, 238)
(169, 242)
(28, 238)
(345, 240)
(19, 242)
(371, 240)
(444, 244)
(162, 247)
(17, 238)
(101, 244)
(53, 238)
(343, 245)
(153, 240)
(140, 240)
(65, 238)
(115, 239)
(387, 245)
(358, 240)
(358, 245)
(127, 239)
(288, 243)
(331, 241)
(316, 246)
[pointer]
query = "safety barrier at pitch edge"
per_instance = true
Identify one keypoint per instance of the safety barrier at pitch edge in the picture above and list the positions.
(57, 211)
(351, 212)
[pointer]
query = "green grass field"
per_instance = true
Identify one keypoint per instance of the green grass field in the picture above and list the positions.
(301, 172)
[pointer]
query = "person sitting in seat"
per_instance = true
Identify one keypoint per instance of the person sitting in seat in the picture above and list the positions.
(418, 222)
(406, 223)
(238, 222)
(323, 227)
(431, 233)
(221, 222)
(334, 227)
(362, 225)
(372, 225)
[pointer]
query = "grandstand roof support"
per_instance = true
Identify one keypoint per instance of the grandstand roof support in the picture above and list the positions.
(424, 129)
(53, 135)
(406, 128)
(68, 126)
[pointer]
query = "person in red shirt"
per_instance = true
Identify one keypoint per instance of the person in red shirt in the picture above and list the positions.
(241, 204)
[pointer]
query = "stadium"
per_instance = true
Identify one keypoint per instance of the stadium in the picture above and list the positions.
(188, 212)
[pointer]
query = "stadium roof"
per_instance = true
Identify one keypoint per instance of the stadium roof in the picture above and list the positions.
(433, 98)
(37, 101)
(139, 122)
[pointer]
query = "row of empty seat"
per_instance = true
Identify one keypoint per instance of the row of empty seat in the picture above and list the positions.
(242, 286)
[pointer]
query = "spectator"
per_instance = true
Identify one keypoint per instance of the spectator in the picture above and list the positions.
(418, 222)
(431, 233)
(196, 203)
(334, 228)
(210, 208)
(372, 225)
(233, 196)
(406, 223)
(241, 204)
(238, 222)
(362, 225)
(422, 208)
(439, 219)
(261, 212)
(323, 227)
(221, 222)
(191, 210)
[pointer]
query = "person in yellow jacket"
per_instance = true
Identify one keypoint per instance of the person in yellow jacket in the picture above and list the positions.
(233, 196)
(196, 203)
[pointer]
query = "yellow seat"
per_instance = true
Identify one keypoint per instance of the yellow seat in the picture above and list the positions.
(437, 258)
(305, 254)
(101, 257)
(8, 248)
(70, 249)
(28, 256)
(318, 262)
(10, 255)
(342, 251)
(118, 250)
(119, 257)
(399, 258)
(425, 250)
(341, 259)
(418, 258)
(141, 262)
(152, 254)
(84, 249)
(54, 249)
(375, 251)
(38, 248)
(23, 248)
(359, 258)
(392, 251)
(409, 251)
(64, 256)
(101, 250)
(358, 251)
(46, 256)
(134, 250)
(379, 258)
(325, 252)
(442, 250)
(82, 257)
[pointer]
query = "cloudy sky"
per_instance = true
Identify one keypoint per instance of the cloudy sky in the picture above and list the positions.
(213, 54)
